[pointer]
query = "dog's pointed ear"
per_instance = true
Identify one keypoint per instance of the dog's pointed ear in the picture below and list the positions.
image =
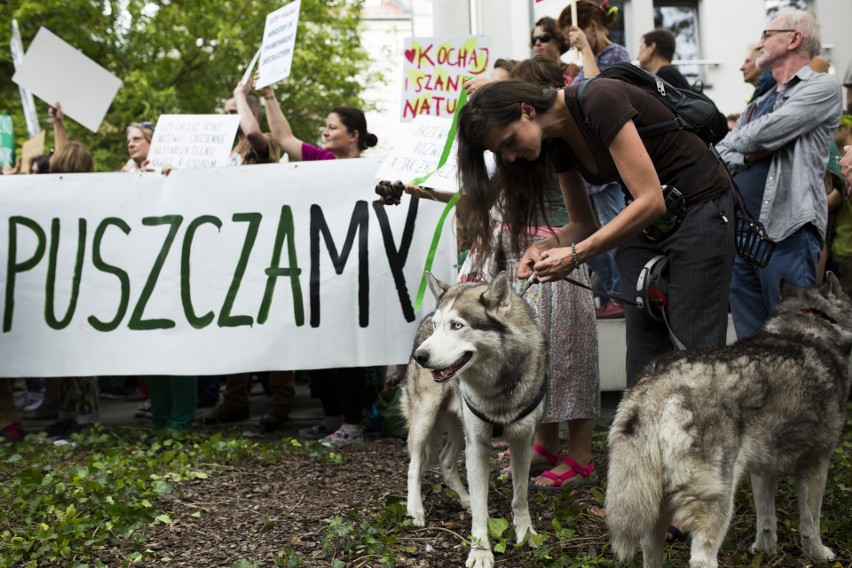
(834, 287)
(499, 293)
(436, 286)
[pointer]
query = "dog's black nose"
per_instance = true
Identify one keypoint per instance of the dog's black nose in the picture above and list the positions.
(421, 356)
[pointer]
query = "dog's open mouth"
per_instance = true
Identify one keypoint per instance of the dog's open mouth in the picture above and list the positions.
(441, 375)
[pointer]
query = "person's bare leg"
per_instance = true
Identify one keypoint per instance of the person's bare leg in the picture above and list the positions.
(579, 449)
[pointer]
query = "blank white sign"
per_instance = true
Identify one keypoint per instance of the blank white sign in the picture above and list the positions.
(56, 71)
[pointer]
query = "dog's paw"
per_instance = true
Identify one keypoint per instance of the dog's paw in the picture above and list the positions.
(820, 552)
(480, 558)
(418, 517)
(464, 501)
(765, 543)
(525, 533)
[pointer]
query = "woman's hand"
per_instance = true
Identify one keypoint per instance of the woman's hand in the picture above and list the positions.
(577, 39)
(555, 264)
(55, 113)
(264, 92)
(531, 256)
(474, 83)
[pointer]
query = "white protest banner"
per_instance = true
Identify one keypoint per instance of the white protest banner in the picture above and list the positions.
(214, 271)
(55, 71)
(417, 153)
(17, 47)
(279, 40)
(434, 70)
(188, 141)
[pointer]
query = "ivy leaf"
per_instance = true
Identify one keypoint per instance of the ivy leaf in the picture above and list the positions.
(496, 527)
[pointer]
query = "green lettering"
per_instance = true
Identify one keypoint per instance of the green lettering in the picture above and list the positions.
(285, 231)
(185, 293)
(136, 322)
(49, 315)
(123, 278)
(225, 317)
(13, 267)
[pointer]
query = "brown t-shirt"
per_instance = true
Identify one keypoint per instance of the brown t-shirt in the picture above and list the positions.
(608, 104)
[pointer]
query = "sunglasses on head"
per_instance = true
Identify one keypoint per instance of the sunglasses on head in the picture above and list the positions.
(146, 124)
(543, 38)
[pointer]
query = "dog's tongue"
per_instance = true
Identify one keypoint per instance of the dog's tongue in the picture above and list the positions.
(444, 374)
(441, 374)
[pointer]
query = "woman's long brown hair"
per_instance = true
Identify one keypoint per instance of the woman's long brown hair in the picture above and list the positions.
(522, 186)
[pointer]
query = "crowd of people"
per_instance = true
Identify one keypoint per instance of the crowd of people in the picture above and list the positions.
(558, 185)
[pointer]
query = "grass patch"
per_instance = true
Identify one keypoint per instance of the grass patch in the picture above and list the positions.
(65, 503)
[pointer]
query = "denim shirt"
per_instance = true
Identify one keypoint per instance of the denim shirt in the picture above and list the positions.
(799, 132)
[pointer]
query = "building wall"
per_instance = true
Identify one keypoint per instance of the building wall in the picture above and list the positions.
(726, 27)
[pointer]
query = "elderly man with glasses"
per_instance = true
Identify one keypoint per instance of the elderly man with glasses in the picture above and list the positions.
(777, 151)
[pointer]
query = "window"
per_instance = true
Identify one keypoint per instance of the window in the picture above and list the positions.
(775, 6)
(681, 18)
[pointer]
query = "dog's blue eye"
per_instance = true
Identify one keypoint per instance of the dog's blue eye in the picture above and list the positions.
(455, 326)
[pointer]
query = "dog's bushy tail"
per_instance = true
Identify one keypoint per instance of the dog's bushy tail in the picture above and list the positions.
(634, 479)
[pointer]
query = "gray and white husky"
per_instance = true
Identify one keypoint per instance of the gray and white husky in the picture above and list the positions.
(698, 421)
(479, 365)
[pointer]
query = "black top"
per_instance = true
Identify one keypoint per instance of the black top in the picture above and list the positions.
(608, 105)
(674, 77)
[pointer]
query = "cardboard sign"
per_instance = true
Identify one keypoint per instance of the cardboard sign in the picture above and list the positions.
(27, 101)
(7, 141)
(279, 266)
(31, 148)
(434, 71)
(188, 141)
(418, 152)
(55, 71)
(279, 40)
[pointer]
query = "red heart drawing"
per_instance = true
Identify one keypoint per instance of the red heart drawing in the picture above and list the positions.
(409, 54)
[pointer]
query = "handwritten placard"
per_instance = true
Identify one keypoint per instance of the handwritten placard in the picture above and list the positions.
(418, 152)
(279, 40)
(434, 70)
(188, 141)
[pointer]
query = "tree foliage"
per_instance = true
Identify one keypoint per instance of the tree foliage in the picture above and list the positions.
(185, 57)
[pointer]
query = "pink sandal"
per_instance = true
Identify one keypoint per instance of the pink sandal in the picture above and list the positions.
(537, 468)
(586, 473)
(552, 460)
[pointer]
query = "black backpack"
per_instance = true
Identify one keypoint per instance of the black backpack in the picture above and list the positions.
(693, 111)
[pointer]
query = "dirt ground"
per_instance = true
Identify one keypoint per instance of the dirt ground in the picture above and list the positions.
(257, 511)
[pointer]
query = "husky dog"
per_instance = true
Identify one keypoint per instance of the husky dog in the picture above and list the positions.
(480, 365)
(433, 411)
(699, 420)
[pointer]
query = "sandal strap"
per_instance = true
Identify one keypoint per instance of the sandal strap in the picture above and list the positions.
(551, 458)
(583, 471)
(559, 479)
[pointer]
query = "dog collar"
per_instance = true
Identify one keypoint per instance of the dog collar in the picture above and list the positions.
(497, 428)
(818, 313)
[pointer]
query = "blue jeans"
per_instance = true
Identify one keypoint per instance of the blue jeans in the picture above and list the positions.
(607, 204)
(754, 291)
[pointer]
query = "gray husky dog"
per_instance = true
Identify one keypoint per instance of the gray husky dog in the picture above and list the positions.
(698, 421)
(479, 366)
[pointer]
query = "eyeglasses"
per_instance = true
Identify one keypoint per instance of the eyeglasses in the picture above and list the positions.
(146, 124)
(766, 33)
(543, 38)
